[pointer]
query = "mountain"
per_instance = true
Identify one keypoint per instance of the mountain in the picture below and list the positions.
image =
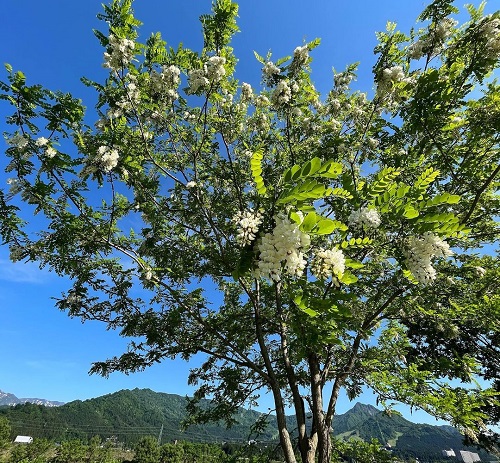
(130, 414)
(10, 399)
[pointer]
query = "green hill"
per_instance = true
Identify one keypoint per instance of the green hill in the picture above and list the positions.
(128, 415)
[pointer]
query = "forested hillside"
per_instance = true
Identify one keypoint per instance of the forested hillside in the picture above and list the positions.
(128, 415)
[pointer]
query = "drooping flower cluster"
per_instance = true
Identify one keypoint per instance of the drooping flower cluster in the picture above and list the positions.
(301, 55)
(389, 79)
(197, 80)
(108, 158)
(270, 69)
(50, 152)
(490, 30)
(420, 252)
(432, 44)
(282, 251)
(262, 101)
(212, 71)
(246, 92)
(121, 53)
(364, 218)
(215, 68)
(282, 94)
(328, 263)
(247, 226)
(165, 83)
(18, 141)
(42, 141)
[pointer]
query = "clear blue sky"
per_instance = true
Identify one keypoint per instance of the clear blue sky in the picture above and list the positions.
(45, 354)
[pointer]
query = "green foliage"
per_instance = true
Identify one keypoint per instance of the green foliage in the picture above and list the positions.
(147, 450)
(5, 430)
(335, 217)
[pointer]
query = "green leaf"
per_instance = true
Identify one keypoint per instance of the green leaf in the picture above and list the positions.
(410, 212)
(348, 278)
(353, 263)
(327, 226)
(309, 222)
(256, 168)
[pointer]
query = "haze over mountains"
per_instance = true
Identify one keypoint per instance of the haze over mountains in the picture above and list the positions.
(131, 414)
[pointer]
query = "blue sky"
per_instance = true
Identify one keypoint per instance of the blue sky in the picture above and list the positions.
(43, 353)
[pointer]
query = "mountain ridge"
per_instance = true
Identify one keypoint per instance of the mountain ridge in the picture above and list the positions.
(9, 399)
(131, 414)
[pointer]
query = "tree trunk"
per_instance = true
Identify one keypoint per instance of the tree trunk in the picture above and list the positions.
(322, 425)
(285, 441)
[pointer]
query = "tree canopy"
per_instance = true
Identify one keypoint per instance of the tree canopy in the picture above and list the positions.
(305, 244)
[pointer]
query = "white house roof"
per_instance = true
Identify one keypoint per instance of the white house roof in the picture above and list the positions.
(23, 440)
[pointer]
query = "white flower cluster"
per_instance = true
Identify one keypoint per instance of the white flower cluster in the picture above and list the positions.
(213, 71)
(491, 32)
(270, 69)
(42, 141)
(18, 141)
(262, 101)
(165, 83)
(433, 43)
(248, 226)
(282, 94)
(191, 184)
(342, 81)
(301, 54)
(122, 52)
(419, 256)
(327, 263)
(197, 80)
(282, 251)
(50, 152)
(390, 77)
(215, 68)
(365, 217)
(108, 158)
(246, 92)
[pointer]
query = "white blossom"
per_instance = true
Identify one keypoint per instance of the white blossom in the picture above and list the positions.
(420, 252)
(108, 158)
(490, 30)
(246, 92)
(197, 80)
(42, 141)
(120, 54)
(50, 152)
(365, 217)
(282, 250)
(262, 101)
(389, 78)
(270, 69)
(190, 184)
(215, 68)
(433, 43)
(247, 226)
(480, 271)
(301, 54)
(282, 93)
(19, 141)
(327, 263)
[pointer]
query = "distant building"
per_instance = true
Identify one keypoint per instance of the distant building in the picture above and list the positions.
(448, 453)
(468, 457)
(23, 440)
